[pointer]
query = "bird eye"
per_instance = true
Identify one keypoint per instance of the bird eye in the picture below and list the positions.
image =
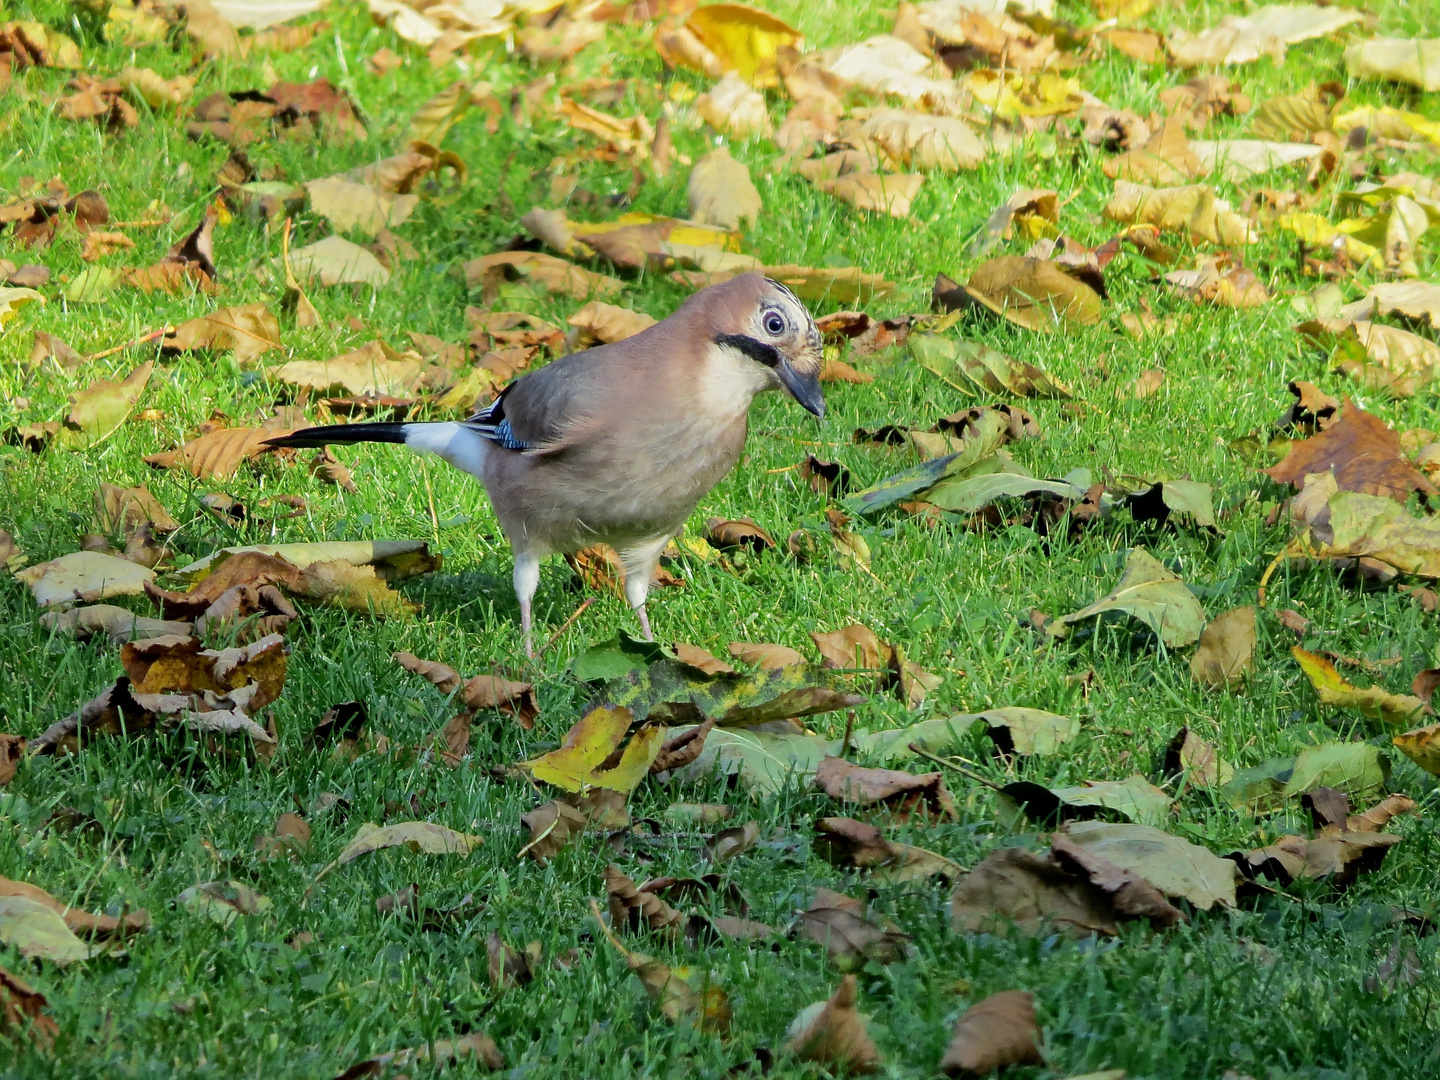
(774, 324)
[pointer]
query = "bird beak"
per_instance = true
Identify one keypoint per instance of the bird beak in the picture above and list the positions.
(803, 388)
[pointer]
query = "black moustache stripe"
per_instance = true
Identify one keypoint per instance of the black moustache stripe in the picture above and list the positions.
(755, 350)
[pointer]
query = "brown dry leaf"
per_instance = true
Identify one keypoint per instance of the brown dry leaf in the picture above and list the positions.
(121, 510)
(851, 940)
(732, 106)
(337, 261)
(724, 534)
(1226, 653)
(1038, 294)
(890, 193)
(1189, 754)
(1020, 888)
(764, 654)
(847, 842)
(510, 967)
(728, 843)
(607, 323)
(552, 827)
(921, 141)
(24, 1011)
(721, 193)
(996, 1032)
(98, 99)
(1215, 280)
(373, 370)
(1379, 356)
(680, 751)
(706, 1005)
(703, 659)
(249, 331)
(1363, 454)
(637, 909)
(1194, 210)
(832, 1033)
(12, 750)
(902, 793)
(1164, 160)
(178, 665)
(631, 137)
(1338, 859)
(555, 275)
(327, 467)
(557, 41)
(99, 244)
(289, 840)
(217, 455)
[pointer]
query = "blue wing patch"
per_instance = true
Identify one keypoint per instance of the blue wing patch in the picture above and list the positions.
(491, 423)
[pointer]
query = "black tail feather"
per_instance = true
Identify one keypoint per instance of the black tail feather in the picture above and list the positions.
(342, 434)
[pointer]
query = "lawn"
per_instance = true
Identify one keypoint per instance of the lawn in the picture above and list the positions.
(1305, 980)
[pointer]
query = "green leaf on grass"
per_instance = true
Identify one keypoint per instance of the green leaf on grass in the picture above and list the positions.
(1174, 866)
(974, 368)
(672, 692)
(1358, 769)
(619, 656)
(97, 412)
(1151, 593)
(223, 901)
(38, 932)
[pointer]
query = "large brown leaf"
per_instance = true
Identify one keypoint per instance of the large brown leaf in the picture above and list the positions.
(900, 792)
(833, 1033)
(996, 1032)
(1362, 451)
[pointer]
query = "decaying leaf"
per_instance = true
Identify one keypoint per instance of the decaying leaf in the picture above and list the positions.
(834, 1034)
(552, 826)
(706, 1004)
(902, 793)
(1018, 730)
(996, 1032)
(1191, 755)
(1363, 453)
(851, 940)
(720, 191)
(84, 576)
(1176, 867)
(1226, 651)
(847, 842)
(23, 1012)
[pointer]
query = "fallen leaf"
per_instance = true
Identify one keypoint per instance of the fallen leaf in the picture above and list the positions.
(1374, 702)
(599, 321)
(728, 843)
(97, 412)
(248, 331)
(358, 207)
(743, 39)
(1194, 757)
(337, 261)
(579, 761)
(23, 1013)
(902, 793)
(1408, 60)
(850, 939)
(1194, 210)
(1212, 283)
(37, 931)
(290, 838)
(995, 1032)
(223, 902)
(832, 1033)
(552, 826)
(1023, 731)
(79, 921)
(1266, 31)
(1174, 866)
(419, 836)
(720, 191)
(555, 275)
(1421, 746)
(847, 842)
(1151, 593)
(1225, 655)
(84, 576)
(1362, 452)
(706, 1004)
(1037, 294)
(476, 1047)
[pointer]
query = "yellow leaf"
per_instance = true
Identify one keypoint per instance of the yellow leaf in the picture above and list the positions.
(1374, 702)
(576, 764)
(743, 39)
(1421, 746)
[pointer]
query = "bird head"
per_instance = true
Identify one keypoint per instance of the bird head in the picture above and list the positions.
(773, 329)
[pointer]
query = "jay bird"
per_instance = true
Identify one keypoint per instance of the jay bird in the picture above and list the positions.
(617, 444)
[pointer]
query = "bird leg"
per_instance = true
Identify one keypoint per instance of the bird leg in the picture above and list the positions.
(527, 577)
(639, 564)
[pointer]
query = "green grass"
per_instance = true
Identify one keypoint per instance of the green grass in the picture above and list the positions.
(1277, 990)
